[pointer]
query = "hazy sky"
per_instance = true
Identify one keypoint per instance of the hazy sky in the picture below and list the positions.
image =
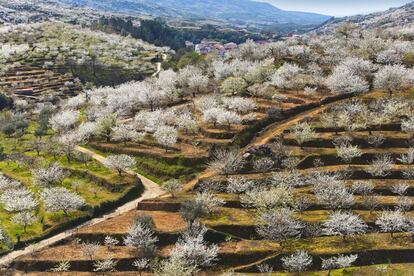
(337, 7)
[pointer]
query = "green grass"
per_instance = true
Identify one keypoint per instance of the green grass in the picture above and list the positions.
(164, 171)
(93, 193)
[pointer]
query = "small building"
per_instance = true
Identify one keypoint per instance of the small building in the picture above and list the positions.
(207, 46)
(189, 44)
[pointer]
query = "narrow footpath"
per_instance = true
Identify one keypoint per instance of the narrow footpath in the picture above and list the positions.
(152, 190)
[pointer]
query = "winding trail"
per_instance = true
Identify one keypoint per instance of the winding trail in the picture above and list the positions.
(277, 128)
(265, 136)
(159, 65)
(152, 190)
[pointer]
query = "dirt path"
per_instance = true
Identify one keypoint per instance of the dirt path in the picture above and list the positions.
(159, 65)
(267, 135)
(152, 190)
(277, 128)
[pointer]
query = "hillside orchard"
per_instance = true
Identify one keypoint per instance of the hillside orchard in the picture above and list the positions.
(324, 179)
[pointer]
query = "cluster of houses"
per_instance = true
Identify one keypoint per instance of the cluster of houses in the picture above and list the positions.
(207, 46)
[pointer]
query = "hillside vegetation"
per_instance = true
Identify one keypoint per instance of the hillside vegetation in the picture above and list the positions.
(294, 156)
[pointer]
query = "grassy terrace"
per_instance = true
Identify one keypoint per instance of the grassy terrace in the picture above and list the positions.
(96, 184)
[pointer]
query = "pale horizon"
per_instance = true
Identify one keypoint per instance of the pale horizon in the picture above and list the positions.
(337, 8)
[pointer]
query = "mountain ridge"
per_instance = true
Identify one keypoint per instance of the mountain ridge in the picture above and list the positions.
(227, 10)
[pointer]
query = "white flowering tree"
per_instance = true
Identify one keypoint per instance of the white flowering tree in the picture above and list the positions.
(120, 163)
(344, 81)
(196, 82)
(49, 176)
(192, 248)
(225, 161)
(64, 121)
(239, 104)
(287, 76)
(19, 200)
(107, 265)
(172, 186)
(340, 261)
(400, 188)
(392, 222)
(24, 218)
(348, 152)
(141, 237)
(203, 204)
(303, 133)
(105, 125)
(344, 224)
(297, 262)
(61, 199)
(125, 133)
(228, 118)
(334, 194)
(381, 166)
(8, 183)
(166, 136)
(110, 242)
(392, 78)
(212, 115)
(89, 249)
(233, 86)
(62, 266)
(187, 123)
(279, 225)
(174, 267)
(267, 199)
(141, 264)
(239, 185)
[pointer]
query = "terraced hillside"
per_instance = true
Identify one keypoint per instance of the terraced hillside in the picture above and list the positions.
(33, 83)
(289, 157)
(41, 52)
(248, 242)
(195, 145)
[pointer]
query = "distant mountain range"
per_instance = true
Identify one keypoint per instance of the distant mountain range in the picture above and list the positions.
(237, 12)
(395, 17)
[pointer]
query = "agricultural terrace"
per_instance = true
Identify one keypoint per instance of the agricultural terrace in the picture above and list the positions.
(323, 180)
(48, 59)
(44, 188)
